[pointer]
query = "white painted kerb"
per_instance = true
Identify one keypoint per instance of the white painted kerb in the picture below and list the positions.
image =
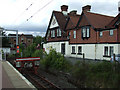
(30, 84)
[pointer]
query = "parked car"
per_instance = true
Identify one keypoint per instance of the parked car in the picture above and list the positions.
(117, 58)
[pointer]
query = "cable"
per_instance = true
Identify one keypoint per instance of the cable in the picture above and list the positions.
(23, 12)
(39, 10)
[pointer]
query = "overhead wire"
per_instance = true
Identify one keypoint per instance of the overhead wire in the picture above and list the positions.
(23, 12)
(39, 10)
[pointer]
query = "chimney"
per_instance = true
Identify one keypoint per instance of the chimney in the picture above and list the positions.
(64, 9)
(73, 12)
(86, 8)
(119, 7)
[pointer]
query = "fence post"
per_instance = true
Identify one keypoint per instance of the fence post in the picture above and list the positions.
(84, 58)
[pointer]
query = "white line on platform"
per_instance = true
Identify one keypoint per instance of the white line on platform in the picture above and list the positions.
(30, 84)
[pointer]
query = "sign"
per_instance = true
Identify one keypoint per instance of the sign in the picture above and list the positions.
(28, 59)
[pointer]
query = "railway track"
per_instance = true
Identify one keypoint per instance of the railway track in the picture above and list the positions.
(39, 81)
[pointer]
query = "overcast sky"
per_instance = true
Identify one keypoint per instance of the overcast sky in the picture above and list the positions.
(15, 13)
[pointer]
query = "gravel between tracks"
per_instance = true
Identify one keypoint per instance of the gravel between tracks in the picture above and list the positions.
(57, 78)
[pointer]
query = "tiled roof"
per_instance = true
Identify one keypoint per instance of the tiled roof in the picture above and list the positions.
(98, 20)
(73, 20)
(111, 24)
(61, 19)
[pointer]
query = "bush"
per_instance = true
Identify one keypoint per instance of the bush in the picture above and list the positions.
(29, 50)
(38, 53)
(55, 60)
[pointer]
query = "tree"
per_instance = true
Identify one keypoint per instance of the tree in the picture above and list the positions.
(30, 50)
(38, 40)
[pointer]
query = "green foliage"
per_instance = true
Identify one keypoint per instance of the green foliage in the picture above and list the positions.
(37, 40)
(29, 50)
(97, 75)
(38, 53)
(55, 60)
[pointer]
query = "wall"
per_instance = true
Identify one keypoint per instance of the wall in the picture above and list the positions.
(91, 51)
(57, 47)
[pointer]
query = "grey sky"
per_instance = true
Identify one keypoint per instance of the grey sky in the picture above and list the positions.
(14, 14)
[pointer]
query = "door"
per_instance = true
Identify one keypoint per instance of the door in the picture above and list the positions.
(63, 48)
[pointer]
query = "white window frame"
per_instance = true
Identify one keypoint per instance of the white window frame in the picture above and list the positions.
(84, 32)
(101, 33)
(80, 51)
(73, 49)
(58, 32)
(74, 34)
(52, 33)
(111, 32)
(88, 32)
(106, 53)
(111, 50)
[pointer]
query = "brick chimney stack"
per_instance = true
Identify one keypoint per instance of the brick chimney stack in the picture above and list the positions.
(86, 8)
(74, 12)
(64, 9)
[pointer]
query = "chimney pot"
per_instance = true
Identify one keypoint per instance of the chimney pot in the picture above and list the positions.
(73, 12)
(86, 8)
(64, 8)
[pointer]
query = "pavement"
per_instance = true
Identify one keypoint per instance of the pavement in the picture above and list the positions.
(11, 79)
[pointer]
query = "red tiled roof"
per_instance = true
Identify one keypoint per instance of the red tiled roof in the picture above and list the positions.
(98, 20)
(61, 19)
(73, 20)
(111, 24)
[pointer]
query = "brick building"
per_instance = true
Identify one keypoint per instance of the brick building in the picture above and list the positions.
(25, 39)
(90, 34)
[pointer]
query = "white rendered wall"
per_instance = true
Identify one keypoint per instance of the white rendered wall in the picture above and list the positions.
(94, 51)
(91, 51)
(57, 47)
(87, 49)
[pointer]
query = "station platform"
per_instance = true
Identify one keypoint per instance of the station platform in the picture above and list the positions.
(11, 78)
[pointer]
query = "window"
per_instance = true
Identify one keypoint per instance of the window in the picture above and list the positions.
(53, 33)
(79, 50)
(86, 32)
(74, 34)
(69, 33)
(101, 34)
(111, 32)
(106, 51)
(73, 49)
(53, 22)
(58, 32)
(111, 50)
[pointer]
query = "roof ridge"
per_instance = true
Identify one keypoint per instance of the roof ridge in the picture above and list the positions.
(100, 14)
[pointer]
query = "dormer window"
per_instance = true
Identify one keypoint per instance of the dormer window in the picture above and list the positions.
(52, 33)
(58, 32)
(86, 32)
